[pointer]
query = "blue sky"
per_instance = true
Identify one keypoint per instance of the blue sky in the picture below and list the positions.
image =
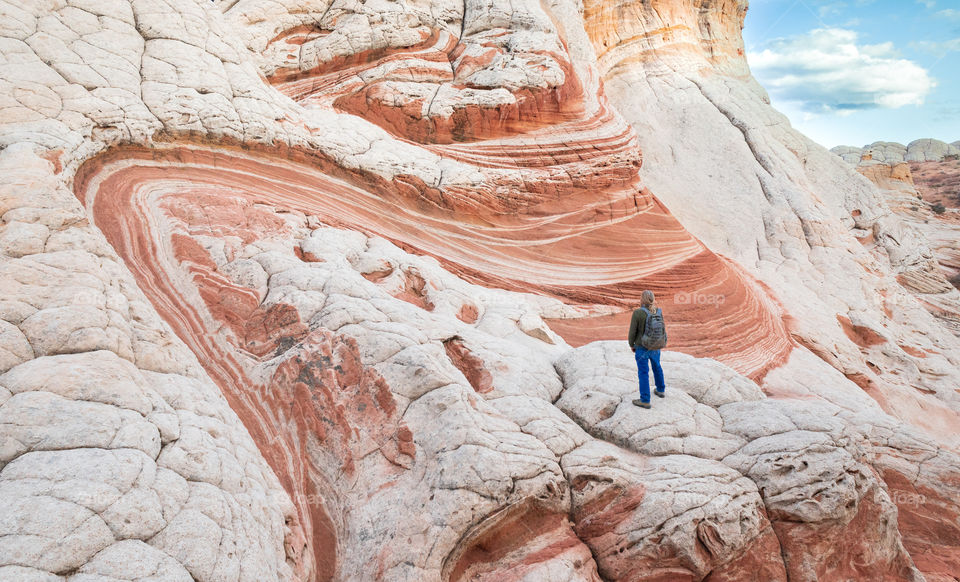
(851, 72)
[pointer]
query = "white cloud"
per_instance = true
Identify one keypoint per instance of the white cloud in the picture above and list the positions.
(831, 9)
(949, 14)
(938, 48)
(826, 70)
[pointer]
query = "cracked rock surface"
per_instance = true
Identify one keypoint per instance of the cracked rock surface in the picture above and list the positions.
(309, 290)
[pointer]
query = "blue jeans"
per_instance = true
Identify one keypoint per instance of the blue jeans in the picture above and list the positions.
(643, 356)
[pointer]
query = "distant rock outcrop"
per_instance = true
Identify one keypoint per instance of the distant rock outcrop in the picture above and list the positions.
(301, 290)
(923, 187)
(888, 152)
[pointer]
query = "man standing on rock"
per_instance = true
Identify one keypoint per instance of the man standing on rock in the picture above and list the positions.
(647, 337)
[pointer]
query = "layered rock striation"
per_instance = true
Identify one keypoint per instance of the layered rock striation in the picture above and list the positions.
(318, 291)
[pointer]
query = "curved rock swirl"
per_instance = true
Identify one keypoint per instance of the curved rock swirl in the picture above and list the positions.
(574, 223)
(596, 254)
(579, 225)
(407, 413)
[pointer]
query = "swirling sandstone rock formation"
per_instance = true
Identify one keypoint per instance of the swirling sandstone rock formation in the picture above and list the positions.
(291, 291)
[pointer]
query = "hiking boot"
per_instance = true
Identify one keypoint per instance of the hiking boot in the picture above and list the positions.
(659, 393)
(641, 403)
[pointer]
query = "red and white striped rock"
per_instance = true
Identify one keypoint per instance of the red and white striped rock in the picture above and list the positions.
(289, 290)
